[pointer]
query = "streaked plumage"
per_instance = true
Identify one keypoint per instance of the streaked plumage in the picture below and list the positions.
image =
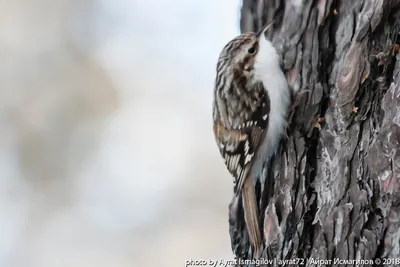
(251, 99)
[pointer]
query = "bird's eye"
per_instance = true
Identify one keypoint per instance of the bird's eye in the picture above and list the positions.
(251, 50)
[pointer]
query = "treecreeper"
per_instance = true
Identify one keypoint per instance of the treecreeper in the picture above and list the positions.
(250, 110)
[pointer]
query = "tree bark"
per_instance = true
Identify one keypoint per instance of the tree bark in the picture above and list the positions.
(333, 193)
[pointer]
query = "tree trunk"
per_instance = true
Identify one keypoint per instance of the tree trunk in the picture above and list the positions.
(334, 192)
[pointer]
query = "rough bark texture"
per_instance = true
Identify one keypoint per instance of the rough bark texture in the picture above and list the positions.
(336, 183)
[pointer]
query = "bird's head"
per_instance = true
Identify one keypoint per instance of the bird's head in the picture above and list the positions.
(249, 54)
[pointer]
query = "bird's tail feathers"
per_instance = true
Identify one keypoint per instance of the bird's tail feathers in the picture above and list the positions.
(251, 216)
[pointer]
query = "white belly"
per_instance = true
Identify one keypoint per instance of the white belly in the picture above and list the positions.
(267, 69)
(279, 98)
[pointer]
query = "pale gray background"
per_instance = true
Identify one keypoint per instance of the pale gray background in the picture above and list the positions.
(107, 156)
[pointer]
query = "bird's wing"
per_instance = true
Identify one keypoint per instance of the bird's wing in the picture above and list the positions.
(239, 146)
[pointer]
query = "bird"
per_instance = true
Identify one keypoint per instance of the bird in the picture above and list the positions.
(250, 107)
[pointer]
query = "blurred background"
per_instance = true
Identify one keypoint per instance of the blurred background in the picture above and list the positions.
(107, 156)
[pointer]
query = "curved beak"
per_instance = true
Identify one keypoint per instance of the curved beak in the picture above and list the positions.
(262, 31)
